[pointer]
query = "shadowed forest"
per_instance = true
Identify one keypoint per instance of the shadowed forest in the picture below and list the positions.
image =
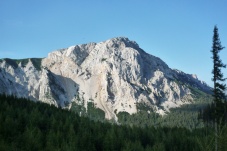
(27, 125)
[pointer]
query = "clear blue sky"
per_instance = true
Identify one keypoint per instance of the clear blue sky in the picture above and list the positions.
(178, 31)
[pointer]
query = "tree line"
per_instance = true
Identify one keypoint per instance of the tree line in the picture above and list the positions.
(28, 125)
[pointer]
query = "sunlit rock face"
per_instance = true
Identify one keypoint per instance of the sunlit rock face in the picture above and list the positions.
(115, 75)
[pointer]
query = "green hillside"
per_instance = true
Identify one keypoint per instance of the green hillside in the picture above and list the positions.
(185, 116)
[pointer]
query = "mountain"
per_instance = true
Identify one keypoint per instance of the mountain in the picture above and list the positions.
(115, 76)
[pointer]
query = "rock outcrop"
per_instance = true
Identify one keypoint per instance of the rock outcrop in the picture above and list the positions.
(115, 75)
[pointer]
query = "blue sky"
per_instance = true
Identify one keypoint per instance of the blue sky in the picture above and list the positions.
(178, 31)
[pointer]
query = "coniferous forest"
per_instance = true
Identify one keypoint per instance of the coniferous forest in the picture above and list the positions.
(27, 125)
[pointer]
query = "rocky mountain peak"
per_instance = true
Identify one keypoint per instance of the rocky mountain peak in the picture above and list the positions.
(115, 75)
(122, 41)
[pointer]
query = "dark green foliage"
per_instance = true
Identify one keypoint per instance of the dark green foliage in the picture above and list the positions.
(79, 109)
(185, 116)
(23, 62)
(103, 59)
(90, 111)
(37, 63)
(11, 62)
(215, 114)
(207, 114)
(95, 113)
(26, 125)
(217, 111)
(218, 78)
(15, 62)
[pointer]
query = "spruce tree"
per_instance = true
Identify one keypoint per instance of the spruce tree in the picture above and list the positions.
(219, 87)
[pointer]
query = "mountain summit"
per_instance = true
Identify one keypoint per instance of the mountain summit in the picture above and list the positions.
(115, 75)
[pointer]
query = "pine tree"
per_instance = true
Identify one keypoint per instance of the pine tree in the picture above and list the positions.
(219, 87)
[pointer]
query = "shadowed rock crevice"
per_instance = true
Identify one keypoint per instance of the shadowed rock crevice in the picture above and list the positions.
(115, 74)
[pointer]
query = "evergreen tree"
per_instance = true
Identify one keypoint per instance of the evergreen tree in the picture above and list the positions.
(219, 87)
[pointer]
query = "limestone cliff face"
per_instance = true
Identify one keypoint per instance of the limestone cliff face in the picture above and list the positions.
(114, 75)
(28, 82)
